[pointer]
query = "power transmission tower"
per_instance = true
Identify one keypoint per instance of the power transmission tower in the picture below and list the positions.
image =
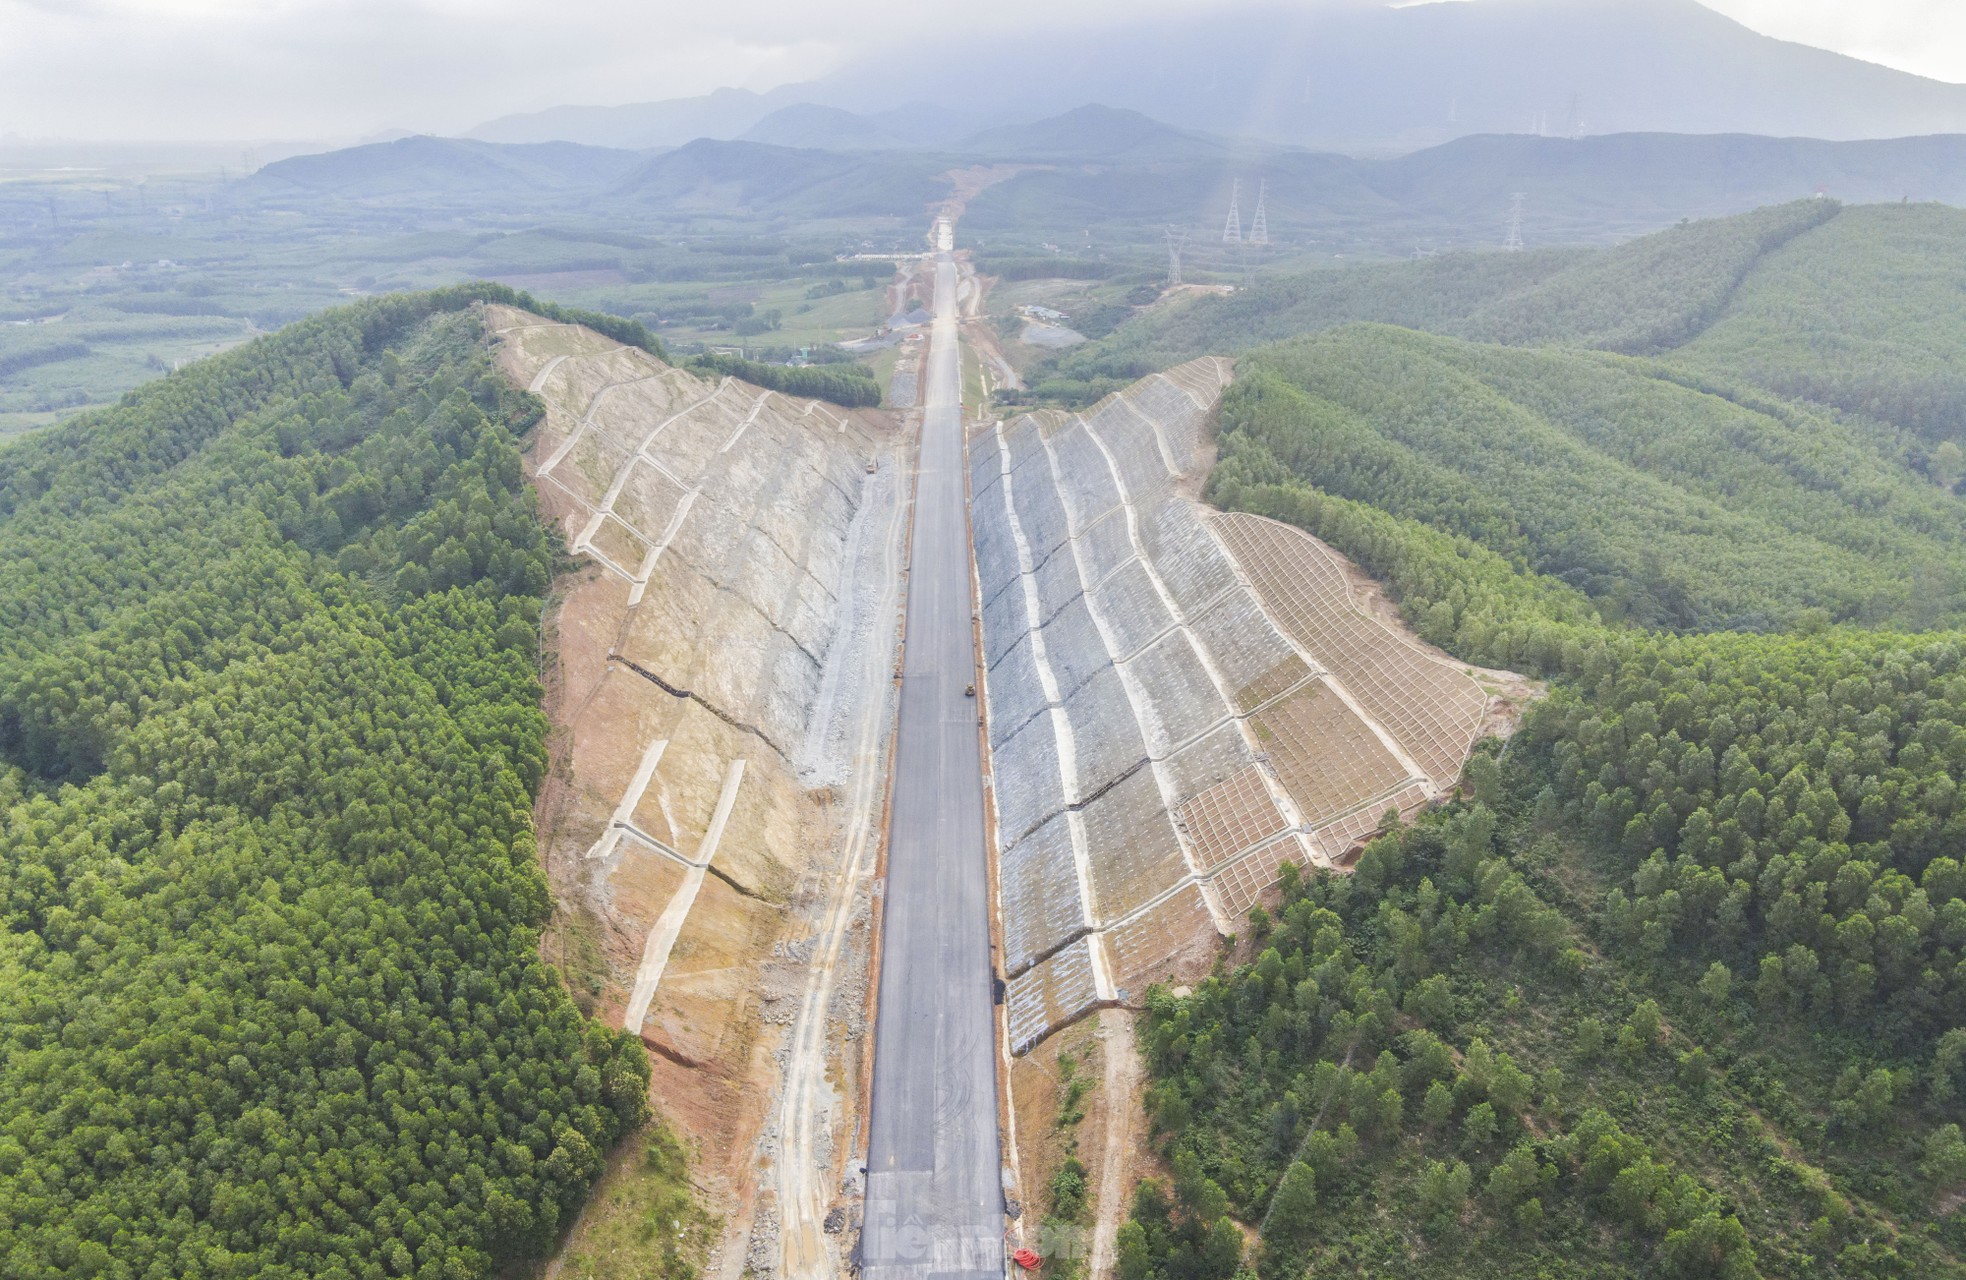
(1514, 242)
(1232, 229)
(1259, 226)
(1177, 240)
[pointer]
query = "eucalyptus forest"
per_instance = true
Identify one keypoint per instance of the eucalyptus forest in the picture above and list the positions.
(270, 996)
(1676, 986)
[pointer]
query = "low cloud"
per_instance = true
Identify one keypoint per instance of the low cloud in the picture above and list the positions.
(335, 69)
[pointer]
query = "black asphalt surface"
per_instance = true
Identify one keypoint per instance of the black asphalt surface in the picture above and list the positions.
(934, 1187)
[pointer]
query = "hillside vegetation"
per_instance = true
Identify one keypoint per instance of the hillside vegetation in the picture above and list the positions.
(1864, 315)
(1670, 505)
(1856, 309)
(1675, 991)
(270, 997)
(1676, 987)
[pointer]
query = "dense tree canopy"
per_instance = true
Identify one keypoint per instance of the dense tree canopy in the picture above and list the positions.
(1676, 987)
(1643, 297)
(1673, 502)
(270, 997)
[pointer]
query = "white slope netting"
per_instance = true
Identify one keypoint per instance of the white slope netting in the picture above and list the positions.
(1197, 741)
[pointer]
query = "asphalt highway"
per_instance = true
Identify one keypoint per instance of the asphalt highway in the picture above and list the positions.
(934, 1203)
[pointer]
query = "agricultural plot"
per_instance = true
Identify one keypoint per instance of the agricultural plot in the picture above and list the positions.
(1217, 702)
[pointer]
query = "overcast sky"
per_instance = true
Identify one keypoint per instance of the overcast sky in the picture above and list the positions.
(337, 69)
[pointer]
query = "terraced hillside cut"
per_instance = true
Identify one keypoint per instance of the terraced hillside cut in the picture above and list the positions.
(1179, 701)
(722, 694)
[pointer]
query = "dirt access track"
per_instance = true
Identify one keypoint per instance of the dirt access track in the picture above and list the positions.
(720, 677)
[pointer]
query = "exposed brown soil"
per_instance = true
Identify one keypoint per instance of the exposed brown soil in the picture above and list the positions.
(686, 664)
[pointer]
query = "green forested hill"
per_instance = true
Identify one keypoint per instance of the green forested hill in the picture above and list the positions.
(1867, 314)
(270, 998)
(1644, 296)
(1650, 294)
(1677, 987)
(1858, 309)
(1670, 505)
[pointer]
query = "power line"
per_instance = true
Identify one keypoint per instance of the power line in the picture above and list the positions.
(1514, 242)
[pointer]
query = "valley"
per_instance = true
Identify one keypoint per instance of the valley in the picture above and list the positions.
(1187, 659)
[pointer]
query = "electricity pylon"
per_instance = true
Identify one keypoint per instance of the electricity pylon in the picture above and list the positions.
(1514, 242)
(1259, 226)
(1176, 241)
(1232, 229)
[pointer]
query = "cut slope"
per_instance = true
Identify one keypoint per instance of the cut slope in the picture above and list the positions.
(1175, 706)
(723, 685)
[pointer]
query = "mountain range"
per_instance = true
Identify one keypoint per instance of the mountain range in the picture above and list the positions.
(1346, 76)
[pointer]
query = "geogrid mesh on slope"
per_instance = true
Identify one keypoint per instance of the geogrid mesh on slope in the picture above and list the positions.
(1216, 755)
(1229, 817)
(1132, 609)
(1141, 949)
(985, 462)
(1105, 546)
(1074, 646)
(741, 538)
(1025, 443)
(1038, 511)
(1325, 756)
(1177, 415)
(1058, 584)
(1014, 690)
(1029, 786)
(1040, 886)
(1254, 658)
(1050, 995)
(996, 549)
(1183, 430)
(755, 674)
(1192, 564)
(733, 546)
(1185, 700)
(1143, 472)
(1334, 838)
(1090, 492)
(1133, 851)
(1430, 707)
(1006, 618)
(1107, 735)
